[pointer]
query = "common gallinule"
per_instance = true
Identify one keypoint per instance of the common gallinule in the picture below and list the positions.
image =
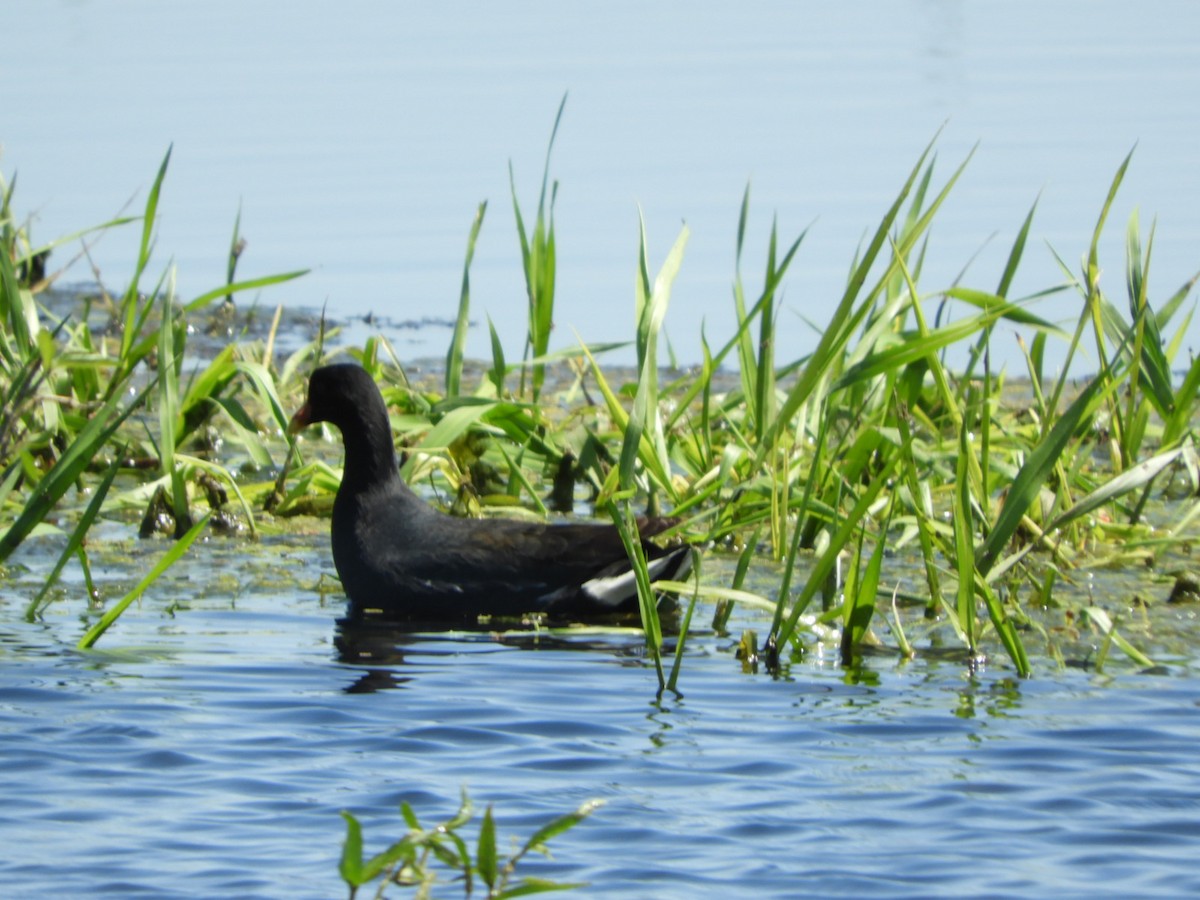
(400, 558)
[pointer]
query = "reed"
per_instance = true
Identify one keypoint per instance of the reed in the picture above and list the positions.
(820, 462)
(72, 396)
(644, 440)
(538, 260)
(454, 356)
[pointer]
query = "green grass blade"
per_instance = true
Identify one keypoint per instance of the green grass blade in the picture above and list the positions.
(1009, 636)
(1092, 293)
(1179, 421)
(914, 347)
(825, 565)
(560, 825)
(169, 411)
(264, 385)
(149, 219)
(622, 516)
(64, 473)
(236, 247)
(350, 866)
(499, 368)
(251, 284)
(1014, 254)
(455, 423)
(73, 236)
(538, 257)
(684, 625)
(645, 420)
(454, 356)
(75, 541)
(964, 549)
(860, 603)
(1108, 628)
(837, 331)
(17, 310)
(485, 855)
(178, 548)
(1037, 467)
(1131, 479)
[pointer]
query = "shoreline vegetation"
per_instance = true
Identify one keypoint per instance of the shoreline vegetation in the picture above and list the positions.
(824, 465)
(1001, 492)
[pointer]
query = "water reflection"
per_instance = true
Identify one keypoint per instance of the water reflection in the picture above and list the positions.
(775, 782)
(389, 654)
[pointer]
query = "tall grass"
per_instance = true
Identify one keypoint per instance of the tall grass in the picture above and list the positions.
(870, 441)
(72, 395)
(644, 440)
(539, 262)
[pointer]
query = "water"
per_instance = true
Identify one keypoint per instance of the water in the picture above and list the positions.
(359, 144)
(206, 748)
(206, 751)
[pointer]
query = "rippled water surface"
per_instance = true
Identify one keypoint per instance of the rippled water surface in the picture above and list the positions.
(207, 747)
(207, 751)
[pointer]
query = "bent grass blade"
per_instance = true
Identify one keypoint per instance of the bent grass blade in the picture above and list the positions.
(178, 548)
(75, 541)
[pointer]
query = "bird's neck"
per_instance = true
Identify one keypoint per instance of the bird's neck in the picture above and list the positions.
(370, 458)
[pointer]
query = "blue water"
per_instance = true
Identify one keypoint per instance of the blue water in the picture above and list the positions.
(206, 748)
(206, 751)
(359, 143)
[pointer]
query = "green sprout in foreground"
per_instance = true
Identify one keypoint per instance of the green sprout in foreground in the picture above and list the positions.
(425, 857)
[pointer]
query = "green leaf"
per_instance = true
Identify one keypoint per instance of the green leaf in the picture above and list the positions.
(454, 355)
(623, 518)
(561, 824)
(485, 856)
(644, 420)
(1038, 465)
(1009, 636)
(1106, 625)
(499, 368)
(410, 817)
(237, 287)
(964, 535)
(64, 473)
(529, 886)
(913, 347)
(111, 615)
(860, 608)
(825, 565)
(350, 867)
(129, 302)
(1131, 479)
(845, 316)
(77, 537)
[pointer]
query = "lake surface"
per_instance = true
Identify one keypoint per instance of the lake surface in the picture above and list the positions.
(206, 748)
(206, 751)
(360, 142)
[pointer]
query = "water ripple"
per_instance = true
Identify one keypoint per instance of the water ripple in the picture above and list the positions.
(226, 761)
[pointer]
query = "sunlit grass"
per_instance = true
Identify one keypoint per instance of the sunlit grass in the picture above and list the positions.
(425, 858)
(1001, 492)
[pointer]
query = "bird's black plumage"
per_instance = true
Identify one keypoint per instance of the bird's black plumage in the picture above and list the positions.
(399, 557)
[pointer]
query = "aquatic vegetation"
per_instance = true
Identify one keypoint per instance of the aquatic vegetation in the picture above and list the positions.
(1002, 488)
(417, 858)
(73, 387)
